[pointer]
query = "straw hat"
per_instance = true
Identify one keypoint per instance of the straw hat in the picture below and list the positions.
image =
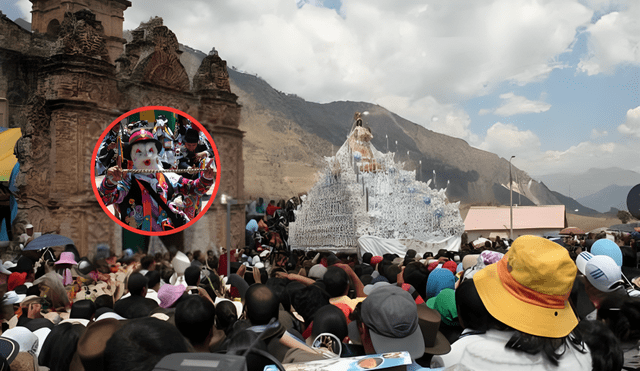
(529, 287)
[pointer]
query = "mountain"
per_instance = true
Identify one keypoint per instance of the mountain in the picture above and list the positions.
(573, 206)
(287, 139)
(591, 181)
(613, 196)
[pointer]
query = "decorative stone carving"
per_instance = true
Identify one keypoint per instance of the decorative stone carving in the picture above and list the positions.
(153, 56)
(81, 34)
(212, 74)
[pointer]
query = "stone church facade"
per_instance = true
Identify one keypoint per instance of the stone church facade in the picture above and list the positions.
(69, 78)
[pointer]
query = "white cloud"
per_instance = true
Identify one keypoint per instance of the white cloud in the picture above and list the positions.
(613, 40)
(448, 50)
(507, 140)
(514, 105)
(595, 134)
(25, 8)
(632, 124)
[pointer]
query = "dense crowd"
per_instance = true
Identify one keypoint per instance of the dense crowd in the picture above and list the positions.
(528, 304)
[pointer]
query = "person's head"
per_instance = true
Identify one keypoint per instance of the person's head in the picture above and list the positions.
(605, 349)
(137, 284)
(391, 319)
(308, 300)
(153, 280)
(329, 319)
(243, 340)
(192, 276)
(438, 280)
(141, 343)
(84, 309)
(261, 305)
(194, 318)
(622, 316)
(336, 281)
(391, 272)
(104, 301)
(279, 288)
(143, 150)
(148, 262)
(226, 315)
(60, 346)
(366, 257)
(411, 253)
(191, 139)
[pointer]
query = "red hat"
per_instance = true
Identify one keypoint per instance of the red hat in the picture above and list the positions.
(433, 266)
(376, 259)
(450, 265)
(16, 279)
(140, 136)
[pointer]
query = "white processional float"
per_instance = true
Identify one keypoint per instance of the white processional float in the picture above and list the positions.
(365, 201)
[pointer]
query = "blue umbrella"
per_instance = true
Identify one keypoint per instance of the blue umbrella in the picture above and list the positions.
(47, 240)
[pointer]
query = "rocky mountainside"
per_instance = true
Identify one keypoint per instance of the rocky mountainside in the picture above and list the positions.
(287, 138)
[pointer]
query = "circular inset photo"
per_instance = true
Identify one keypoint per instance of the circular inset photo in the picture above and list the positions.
(155, 170)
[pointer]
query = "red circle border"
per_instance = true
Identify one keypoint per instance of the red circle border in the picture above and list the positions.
(215, 154)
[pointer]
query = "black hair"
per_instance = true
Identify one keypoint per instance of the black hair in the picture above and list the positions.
(241, 341)
(226, 316)
(104, 301)
(366, 257)
(330, 319)
(606, 353)
(141, 343)
(84, 309)
(308, 300)
(60, 346)
(192, 275)
(261, 305)
(411, 253)
(336, 281)
(137, 283)
(279, 288)
(392, 273)
(622, 315)
(146, 261)
(194, 318)
(153, 277)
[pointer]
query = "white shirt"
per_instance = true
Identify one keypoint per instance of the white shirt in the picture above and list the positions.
(488, 352)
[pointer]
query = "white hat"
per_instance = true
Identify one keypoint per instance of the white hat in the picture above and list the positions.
(106, 315)
(259, 265)
(256, 259)
(264, 253)
(4, 269)
(24, 337)
(9, 264)
(12, 298)
(42, 334)
(317, 271)
(582, 259)
(603, 273)
(180, 263)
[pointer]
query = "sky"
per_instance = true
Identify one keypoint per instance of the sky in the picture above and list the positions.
(553, 82)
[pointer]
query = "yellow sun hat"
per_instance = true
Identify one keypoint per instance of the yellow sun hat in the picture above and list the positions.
(529, 287)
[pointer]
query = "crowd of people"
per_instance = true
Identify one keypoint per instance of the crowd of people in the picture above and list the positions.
(528, 304)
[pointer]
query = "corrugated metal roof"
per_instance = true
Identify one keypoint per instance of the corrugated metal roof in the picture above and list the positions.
(524, 217)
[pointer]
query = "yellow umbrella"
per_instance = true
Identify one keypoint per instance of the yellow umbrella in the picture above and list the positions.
(8, 139)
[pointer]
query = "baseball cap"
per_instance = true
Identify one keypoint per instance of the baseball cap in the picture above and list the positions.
(391, 315)
(603, 273)
(317, 271)
(607, 247)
